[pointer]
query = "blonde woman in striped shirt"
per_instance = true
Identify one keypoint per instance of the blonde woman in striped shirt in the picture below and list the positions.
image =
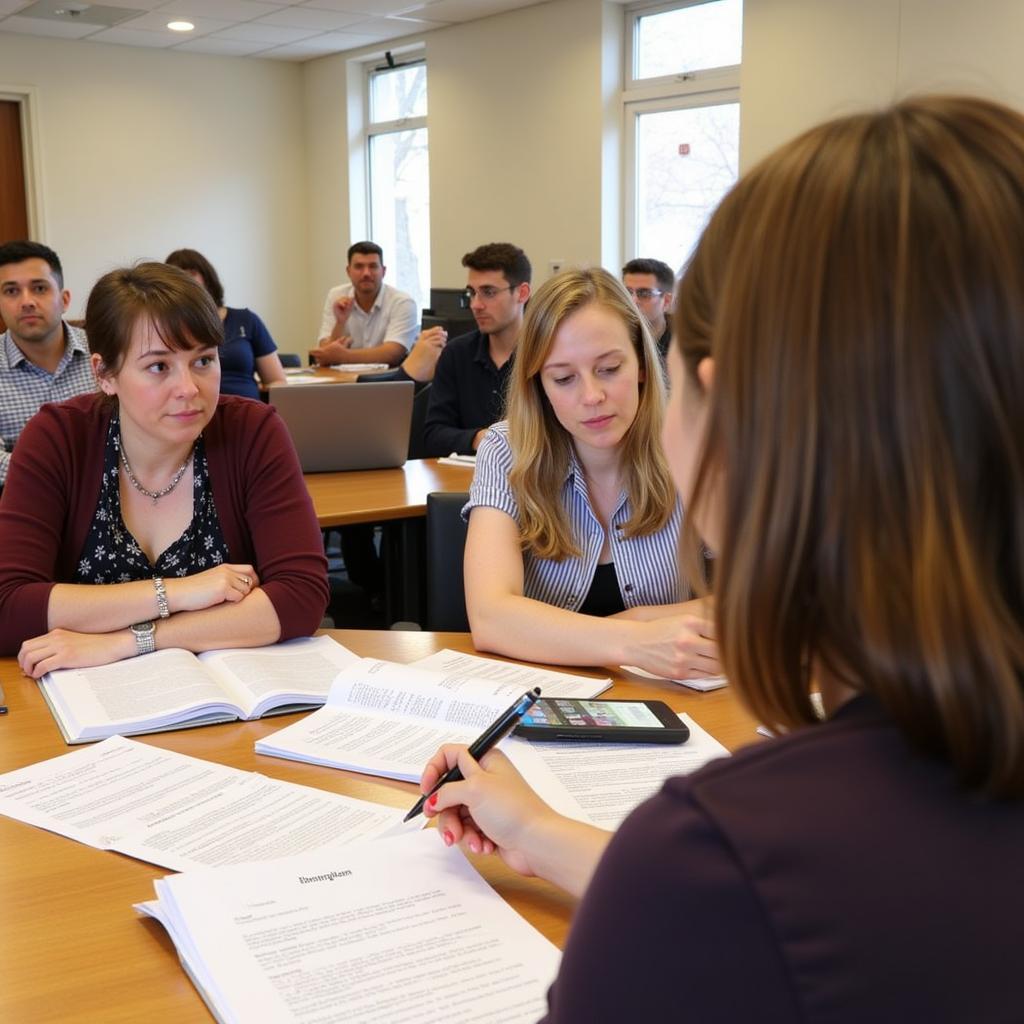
(571, 556)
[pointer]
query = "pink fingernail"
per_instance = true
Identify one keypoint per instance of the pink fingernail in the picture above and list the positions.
(474, 846)
(448, 838)
(432, 801)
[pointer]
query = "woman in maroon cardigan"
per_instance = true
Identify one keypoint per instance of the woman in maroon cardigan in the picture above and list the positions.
(846, 428)
(154, 514)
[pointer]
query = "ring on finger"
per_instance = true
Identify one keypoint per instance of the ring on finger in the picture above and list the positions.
(247, 581)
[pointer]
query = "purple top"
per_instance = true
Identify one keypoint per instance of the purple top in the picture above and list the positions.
(829, 876)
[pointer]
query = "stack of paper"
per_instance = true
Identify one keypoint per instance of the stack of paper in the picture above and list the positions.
(182, 812)
(401, 930)
(387, 719)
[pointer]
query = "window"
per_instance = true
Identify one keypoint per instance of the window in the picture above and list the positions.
(682, 122)
(398, 175)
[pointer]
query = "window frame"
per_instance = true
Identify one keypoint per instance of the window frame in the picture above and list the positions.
(682, 91)
(374, 128)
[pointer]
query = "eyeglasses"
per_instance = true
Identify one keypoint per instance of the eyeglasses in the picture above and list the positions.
(485, 293)
(645, 293)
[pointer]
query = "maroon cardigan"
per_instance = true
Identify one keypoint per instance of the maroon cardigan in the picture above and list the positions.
(53, 486)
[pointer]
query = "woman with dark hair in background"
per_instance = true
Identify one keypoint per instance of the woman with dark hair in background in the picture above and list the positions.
(156, 513)
(847, 431)
(248, 348)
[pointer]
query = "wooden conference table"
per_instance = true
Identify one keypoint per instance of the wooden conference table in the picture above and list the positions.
(72, 949)
(382, 495)
(396, 498)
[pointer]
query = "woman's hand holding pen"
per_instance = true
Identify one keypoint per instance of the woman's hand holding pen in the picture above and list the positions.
(492, 810)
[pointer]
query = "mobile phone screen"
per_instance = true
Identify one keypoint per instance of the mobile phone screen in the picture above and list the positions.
(583, 713)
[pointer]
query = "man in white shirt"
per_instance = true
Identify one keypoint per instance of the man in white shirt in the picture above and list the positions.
(366, 321)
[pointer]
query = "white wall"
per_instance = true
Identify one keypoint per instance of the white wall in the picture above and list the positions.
(248, 160)
(524, 126)
(808, 60)
(145, 151)
(516, 147)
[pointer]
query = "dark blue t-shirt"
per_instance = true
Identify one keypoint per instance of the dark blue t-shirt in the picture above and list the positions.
(245, 338)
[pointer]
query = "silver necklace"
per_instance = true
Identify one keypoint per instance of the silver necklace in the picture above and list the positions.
(155, 495)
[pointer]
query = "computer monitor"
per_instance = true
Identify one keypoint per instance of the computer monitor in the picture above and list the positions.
(448, 302)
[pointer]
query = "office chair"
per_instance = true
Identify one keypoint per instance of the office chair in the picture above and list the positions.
(446, 542)
(417, 447)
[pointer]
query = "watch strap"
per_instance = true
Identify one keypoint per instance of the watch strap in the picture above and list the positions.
(161, 597)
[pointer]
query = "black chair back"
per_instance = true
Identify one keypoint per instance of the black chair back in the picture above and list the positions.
(290, 359)
(446, 543)
(417, 447)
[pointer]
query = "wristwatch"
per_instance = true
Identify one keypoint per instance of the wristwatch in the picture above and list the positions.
(145, 636)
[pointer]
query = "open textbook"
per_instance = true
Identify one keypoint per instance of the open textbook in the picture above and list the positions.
(173, 689)
(182, 812)
(387, 719)
(399, 930)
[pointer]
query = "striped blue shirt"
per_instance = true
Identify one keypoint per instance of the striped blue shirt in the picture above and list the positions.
(24, 387)
(646, 567)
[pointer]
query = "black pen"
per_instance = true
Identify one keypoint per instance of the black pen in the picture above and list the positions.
(492, 735)
(3, 702)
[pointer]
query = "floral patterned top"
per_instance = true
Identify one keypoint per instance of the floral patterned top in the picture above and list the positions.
(112, 555)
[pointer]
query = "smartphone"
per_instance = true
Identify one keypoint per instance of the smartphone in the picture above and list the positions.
(608, 721)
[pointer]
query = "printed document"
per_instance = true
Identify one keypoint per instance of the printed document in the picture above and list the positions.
(386, 719)
(601, 783)
(397, 931)
(182, 812)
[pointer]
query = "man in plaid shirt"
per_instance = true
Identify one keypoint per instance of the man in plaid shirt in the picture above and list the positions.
(42, 359)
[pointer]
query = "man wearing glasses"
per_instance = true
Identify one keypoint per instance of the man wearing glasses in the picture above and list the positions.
(468, 392)
(651, 282)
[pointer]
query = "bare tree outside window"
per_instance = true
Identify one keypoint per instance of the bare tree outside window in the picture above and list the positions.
(399, 176)
(683, 122)
(686, 161)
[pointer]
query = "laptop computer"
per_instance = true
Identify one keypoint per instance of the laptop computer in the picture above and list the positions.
(347, 426)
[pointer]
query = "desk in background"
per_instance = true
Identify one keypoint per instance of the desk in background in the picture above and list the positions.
(397, 498)
(71, 947)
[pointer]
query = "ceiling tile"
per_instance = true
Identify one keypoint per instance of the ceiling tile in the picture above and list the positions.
(225, 10)
(221, 47)
(268, 35)
(308, 49)
(470, 10)
(368, 8)
(156, 21)
(41, 27)
(307, 17)
(131, 37)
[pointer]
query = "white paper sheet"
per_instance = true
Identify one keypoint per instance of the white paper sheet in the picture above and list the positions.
(179, 811)
(602, 782)
(387, 719)
(403, 930)
(458, 665)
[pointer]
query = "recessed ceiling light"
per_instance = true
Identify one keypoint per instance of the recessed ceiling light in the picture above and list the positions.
(180, 26)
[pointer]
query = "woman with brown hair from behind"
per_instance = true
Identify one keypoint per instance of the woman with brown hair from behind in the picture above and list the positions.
(847, 433)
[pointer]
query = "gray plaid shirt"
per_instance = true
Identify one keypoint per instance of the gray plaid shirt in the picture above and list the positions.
(24, 387)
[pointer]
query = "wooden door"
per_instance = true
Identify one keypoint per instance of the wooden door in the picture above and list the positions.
(13, 202)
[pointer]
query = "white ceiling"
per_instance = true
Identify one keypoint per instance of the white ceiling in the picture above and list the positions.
(295, 30)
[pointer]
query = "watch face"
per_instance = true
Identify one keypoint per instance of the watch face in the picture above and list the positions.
(143, 628)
